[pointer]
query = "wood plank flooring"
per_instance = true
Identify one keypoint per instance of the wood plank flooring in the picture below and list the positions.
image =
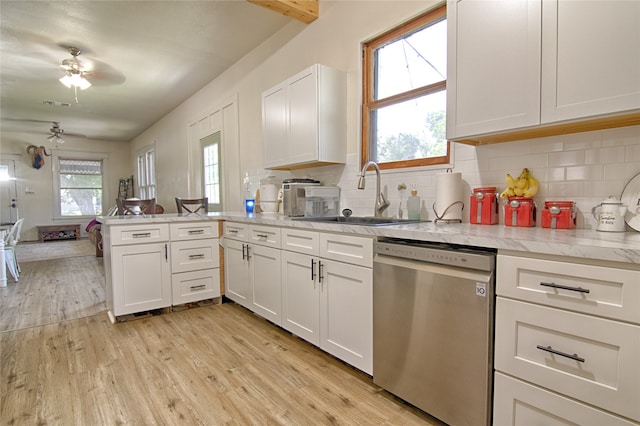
(211, 365)
(53, 290)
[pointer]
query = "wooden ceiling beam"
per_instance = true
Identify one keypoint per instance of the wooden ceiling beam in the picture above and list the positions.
(302, 10)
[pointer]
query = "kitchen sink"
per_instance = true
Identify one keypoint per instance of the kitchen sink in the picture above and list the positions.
(357, 220)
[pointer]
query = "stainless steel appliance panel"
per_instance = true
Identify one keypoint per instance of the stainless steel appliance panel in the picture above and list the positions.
(433, 337)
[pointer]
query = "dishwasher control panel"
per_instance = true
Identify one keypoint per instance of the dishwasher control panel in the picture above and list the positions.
(440, 253)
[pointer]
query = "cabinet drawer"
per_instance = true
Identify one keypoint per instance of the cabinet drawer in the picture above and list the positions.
(265, 235)
(598, 290)
(596, 359)
(139, 234)
(194, 255)
(520, 403)
(193, 286)
(347, 248)
(300, 241)
(236, 231)
(193, 230)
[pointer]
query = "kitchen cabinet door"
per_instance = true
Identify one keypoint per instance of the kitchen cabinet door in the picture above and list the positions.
(346, 313)
(300, 296)
(304, 119)
(267, 288)
(141, 278)
(237, 273)
(493, 71)
(302, 100)
(590, 58)
(274, 126)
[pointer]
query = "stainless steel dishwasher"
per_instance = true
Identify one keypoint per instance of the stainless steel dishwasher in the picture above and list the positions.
(433, 311)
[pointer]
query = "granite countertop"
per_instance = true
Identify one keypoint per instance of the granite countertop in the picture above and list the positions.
(582, 243)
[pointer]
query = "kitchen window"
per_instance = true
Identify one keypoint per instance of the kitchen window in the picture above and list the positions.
(79, 186)
(404, 94)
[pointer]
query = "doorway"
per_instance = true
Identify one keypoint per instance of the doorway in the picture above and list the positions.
(8, 192)
(211, 171)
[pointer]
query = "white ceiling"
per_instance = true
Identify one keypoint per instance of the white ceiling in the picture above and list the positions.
(148, 57)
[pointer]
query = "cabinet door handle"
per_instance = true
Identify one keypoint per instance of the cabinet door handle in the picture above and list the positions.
(196, 232)
(197, 287)
(141, 235)
(574, 357)
(243, 255)
(313, 269)
(320, 267)
(248, 257)
(196, 256)
(565, 287)
(166, 251)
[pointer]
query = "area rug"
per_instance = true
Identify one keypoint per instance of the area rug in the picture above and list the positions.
(31, 252)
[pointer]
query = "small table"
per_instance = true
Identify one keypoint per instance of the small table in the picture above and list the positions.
(58, 232)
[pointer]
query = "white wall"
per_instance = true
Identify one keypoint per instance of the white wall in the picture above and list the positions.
(35, 186)
(584, 167)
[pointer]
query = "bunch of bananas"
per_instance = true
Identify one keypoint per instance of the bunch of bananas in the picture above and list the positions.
(524, 185)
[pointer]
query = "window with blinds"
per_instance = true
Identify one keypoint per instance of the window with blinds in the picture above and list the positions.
(80, 186)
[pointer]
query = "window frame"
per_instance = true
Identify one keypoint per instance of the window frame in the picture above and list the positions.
(214, 139)
(369, 104)
(75, 155)
(146, 172)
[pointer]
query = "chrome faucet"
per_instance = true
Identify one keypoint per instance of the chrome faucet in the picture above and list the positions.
(381, 202)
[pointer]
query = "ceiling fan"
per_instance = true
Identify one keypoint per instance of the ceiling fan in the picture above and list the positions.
(56, 133)
(75, 71)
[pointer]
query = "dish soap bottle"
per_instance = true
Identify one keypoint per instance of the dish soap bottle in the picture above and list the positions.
(413, 204)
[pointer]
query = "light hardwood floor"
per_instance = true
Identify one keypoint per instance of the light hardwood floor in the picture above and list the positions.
(212, 365)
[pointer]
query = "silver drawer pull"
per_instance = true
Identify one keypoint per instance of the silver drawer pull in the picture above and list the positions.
(142, 235)
(574, 357)
(262, 236)
(197, 287)
(564, 287)
(196, 232)
(196, 256)
(232, 231)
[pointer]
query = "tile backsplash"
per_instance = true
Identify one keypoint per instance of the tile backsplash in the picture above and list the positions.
(582, 167)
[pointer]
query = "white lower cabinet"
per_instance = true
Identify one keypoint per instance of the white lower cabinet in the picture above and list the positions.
(327, 302)
(195, 262)
(319, 286)
(521, 403)
(137, 268)
(567, 342)
(252, 268)
(155, 265)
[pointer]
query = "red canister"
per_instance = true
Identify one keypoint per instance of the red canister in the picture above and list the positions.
(559, 215)
(484, 206)
(520, 211)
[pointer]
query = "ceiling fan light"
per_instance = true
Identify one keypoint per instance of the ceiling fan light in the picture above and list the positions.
(66, 80)
(84, 83)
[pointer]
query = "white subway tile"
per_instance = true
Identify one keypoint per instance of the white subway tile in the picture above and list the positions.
(566, 158)
(605, 155)
(592, 172)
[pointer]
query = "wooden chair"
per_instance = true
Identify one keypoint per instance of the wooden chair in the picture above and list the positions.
(136, 206)
(192, 205)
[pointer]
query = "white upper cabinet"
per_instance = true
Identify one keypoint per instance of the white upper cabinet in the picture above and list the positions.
(493, 72)
(531, 68)
(304, 120)
(590, 58)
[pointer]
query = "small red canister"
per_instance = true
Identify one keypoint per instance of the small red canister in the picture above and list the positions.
(484, 206)
(520, 211)
(559, 215)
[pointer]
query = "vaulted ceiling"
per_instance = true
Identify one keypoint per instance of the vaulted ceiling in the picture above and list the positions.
(147, 58)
